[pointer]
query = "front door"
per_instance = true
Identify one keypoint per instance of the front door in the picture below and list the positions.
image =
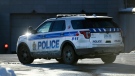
(39, 41)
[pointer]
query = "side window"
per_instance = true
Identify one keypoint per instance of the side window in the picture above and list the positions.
(58, 26)
(77, 24)
(44, 27)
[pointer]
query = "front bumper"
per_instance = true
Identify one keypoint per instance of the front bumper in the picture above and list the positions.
(99, 51)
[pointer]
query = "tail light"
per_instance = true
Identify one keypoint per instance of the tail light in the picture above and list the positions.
(77, 34)
(86, 34)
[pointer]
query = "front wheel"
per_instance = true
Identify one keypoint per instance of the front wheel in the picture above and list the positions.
(24, 55)
(108, 58)
(69, 56)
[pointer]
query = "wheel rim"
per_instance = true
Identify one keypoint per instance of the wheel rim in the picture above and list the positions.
(68, 55)
(24, 55)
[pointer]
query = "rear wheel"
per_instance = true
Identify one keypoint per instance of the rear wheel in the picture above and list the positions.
(69, 56)
(108, 58)
(24, 55)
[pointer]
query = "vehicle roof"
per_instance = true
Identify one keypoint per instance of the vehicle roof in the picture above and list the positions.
(78, 17)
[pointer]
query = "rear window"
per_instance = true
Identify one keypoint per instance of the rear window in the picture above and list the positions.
(93, 23)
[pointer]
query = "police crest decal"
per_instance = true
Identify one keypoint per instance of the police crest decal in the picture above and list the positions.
(34, 46)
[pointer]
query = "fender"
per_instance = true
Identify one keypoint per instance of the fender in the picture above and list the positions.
(22, 43)
(67, 42)
(21, 39)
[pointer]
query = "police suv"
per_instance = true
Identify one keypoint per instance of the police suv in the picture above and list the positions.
(70, 37)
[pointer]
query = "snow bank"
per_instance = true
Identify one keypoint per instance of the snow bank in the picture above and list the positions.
(132, 51)
(6, 72)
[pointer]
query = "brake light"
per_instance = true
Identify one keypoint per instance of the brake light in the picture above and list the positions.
(86, 34)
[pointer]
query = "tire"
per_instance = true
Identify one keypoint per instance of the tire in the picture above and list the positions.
(59, 60)
(108, 59)
(68, 55)
(24, 55)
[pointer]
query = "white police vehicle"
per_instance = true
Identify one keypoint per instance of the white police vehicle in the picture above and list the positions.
(68, 38)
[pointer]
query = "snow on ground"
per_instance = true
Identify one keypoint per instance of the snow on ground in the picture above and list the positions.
(6, 72)
(132, 51)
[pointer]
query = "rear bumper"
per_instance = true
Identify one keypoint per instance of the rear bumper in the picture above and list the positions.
(99, 51)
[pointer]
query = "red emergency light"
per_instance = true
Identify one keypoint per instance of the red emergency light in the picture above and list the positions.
(6, 46)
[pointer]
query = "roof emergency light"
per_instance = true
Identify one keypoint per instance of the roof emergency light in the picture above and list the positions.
(6, 46)
(68, 15)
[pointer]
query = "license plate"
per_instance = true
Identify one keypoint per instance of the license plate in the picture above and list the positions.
(107, 36)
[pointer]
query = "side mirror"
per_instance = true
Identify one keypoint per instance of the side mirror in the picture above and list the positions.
(31, 30)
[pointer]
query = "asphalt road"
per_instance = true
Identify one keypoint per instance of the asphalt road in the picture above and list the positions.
(123, 66)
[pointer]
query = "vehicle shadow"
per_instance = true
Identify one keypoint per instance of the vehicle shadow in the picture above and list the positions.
(89, 68)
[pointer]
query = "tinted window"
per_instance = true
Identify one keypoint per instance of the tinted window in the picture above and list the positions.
(93, 23)
(44, 27)
(77, 24)
(58, 26)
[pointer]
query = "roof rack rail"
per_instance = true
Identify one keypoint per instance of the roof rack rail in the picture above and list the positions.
(68, 15)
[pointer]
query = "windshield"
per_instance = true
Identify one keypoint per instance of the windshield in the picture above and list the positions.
(93, 23)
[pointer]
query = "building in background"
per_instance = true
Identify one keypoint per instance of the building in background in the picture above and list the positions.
(127, 22)
(17, 15)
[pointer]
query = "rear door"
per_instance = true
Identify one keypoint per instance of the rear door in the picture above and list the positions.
(56, 36)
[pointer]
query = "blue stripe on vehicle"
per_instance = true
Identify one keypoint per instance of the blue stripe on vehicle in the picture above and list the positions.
(118, 29)
(91, 30)
(102, 29)
(113, 29)
(98, 30)
(53, 35)
(70, 33)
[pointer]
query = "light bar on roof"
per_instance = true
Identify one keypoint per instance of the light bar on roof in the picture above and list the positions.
(67, 15)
